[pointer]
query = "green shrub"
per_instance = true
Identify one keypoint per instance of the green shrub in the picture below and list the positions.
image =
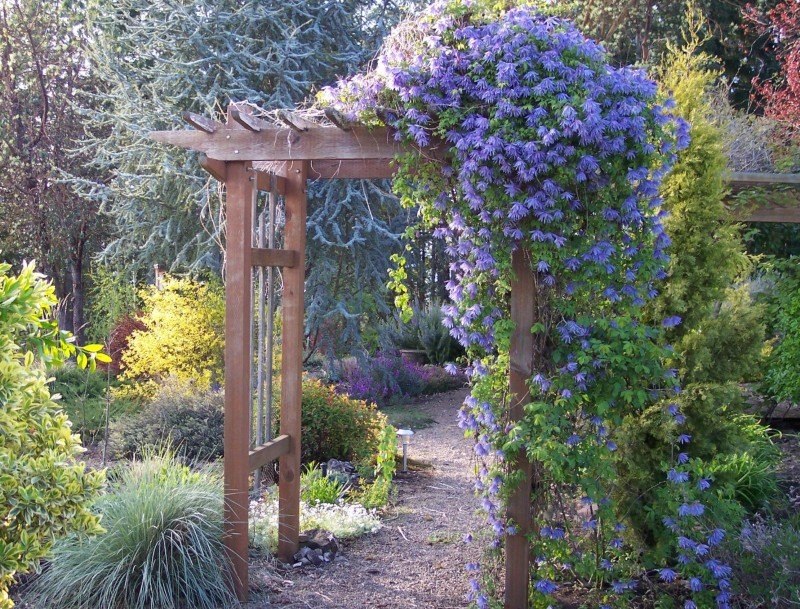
(161, 549)
(84, 399)
(112, 296)
(44, 492)
(782, 377)
(188, 419)
(184, 321)
(315, 487)
(377, 493)
(425, 332)
(335, 426)
(440, 347)
(731, 448)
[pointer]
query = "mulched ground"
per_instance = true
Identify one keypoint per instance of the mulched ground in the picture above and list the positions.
(417, 559)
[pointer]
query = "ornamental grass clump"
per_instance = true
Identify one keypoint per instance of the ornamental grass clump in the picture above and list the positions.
(161, 549)
(547, 150)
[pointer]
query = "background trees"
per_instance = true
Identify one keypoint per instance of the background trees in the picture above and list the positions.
(46, 213)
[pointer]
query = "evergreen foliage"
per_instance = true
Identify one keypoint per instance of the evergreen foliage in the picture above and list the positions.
(718, 342)
(183, 337)
(44, 492)
(180, 56)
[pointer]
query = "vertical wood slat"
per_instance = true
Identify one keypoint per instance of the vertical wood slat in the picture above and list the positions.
(523, 314)
(238, 296)
(292, 362)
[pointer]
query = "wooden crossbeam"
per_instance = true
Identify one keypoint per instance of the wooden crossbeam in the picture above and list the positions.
(270, 451)
(770, 213)
(285, 144)
(367, 169)
(338, 119)
(751, 178)
(248, 121)
(275, 257)
(200, 122)
(294, 121)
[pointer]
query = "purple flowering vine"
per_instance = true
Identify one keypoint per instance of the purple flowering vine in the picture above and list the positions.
(524, 137)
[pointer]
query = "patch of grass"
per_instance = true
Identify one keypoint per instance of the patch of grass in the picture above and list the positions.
(404, 416)
(162, 545)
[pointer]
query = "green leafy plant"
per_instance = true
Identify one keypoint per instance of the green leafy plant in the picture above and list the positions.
(162, 546)
(376, 494)
(183, 337)
(112, 296)
(315, 487)
(44, 492)
(188, 418)
(336, 426)
(440, 347)
(85, 396)
(782, 376)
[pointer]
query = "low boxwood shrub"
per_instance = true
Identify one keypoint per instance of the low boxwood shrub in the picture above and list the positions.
(161, 549)
(188, 419)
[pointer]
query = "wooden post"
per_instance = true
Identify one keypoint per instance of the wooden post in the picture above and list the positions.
(238, 294)
(292, 361)
(523, 314)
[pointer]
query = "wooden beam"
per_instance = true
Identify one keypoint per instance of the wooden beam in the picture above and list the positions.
(524, 315)
(295, 121)
(751, 178)
(283, 143)
(248, 121)
(789, 215)
(292, 363)
(275, 257)
(338, 119)
(269, 451)
(216, 168)
(238, 291)
(365, 169)
(263, 183)
(201, 123)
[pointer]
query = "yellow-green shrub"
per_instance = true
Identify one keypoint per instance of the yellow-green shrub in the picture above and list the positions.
(183, 337)
(44, 492)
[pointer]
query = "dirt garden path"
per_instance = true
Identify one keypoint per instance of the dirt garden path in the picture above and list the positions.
(417, 559)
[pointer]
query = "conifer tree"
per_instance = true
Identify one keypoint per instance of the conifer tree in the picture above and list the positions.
(160, 58)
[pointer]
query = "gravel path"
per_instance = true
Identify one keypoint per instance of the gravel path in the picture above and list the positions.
(417, 559)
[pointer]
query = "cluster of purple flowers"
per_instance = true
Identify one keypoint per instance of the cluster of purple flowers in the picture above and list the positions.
(554, 152)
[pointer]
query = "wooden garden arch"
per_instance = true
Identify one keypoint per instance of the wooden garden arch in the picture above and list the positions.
(251, 154)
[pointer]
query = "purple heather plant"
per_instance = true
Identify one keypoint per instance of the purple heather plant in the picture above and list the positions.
(548, 149)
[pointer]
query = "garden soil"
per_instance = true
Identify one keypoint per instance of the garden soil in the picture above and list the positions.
(418, 558)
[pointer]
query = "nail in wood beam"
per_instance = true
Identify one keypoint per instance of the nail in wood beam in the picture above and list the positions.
(200, 122)
(238, 263)
(292, 362)
(523, 314)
